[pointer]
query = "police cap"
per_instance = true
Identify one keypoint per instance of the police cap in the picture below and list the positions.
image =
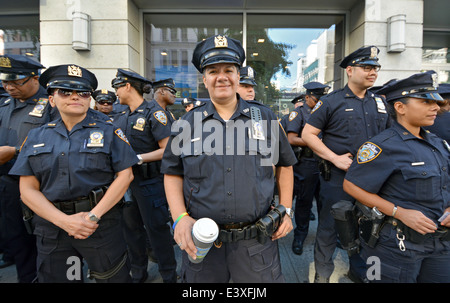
(16, 67)
(364, 55)
(444, 90)
(421, 85)
(298, 99)
(68, 76)
(104, 95)
(165, 83)
(247, 75)
(187, 101)
(125, 76)
(316, 89)
(217, 49)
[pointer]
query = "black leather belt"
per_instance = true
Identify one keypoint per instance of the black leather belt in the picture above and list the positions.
(442, 232)
(74, 206)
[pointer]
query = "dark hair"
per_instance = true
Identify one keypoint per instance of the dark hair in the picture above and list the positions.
(391, 109)
(141, 87)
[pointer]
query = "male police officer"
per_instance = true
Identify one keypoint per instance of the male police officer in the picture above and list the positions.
(25, 109)
(104, 100)
(165, 92)
(215, 181)
(246, 88)
(347, 118)
(306, 171)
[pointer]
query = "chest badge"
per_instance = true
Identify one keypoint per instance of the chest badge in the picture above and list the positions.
(139, 124)
(95, 139)
(38, 109)
(380, 105)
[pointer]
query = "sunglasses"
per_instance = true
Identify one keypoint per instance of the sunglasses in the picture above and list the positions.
(64, 93)
(101, 102)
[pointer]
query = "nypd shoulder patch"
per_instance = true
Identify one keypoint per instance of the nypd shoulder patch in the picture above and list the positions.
(121, 135)
(292, 115)
(161, 117)
(319, 104)
(368, 152)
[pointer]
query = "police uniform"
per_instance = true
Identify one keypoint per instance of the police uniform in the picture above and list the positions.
(69, 167)
(411, 173)
(17, 118)
(345, 121)
(144, 127)
(103, 95)
(227, 181)
(306, 171)
(441, 126)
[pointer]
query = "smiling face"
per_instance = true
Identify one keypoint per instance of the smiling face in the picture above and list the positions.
(360, 78)
(221, 80)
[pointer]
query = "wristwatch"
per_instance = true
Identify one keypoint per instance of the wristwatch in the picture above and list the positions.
(93, 217)
(290, 212)
(140, 160)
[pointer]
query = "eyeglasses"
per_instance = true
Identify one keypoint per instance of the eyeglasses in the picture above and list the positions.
(368, 68)
(64, 93)
(14, 83)
(173, 92)
(105, 102)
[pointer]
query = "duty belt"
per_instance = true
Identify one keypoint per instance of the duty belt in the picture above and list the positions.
(442, 232)
(81, 204)
(237, 231)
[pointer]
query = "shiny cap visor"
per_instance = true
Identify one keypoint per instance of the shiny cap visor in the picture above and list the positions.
(70, 84)
(12, 77)
(428, 95)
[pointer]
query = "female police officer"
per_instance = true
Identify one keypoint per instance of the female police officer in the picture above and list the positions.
(403, 172)
(147, 126)
(232, 188)
(73, 172)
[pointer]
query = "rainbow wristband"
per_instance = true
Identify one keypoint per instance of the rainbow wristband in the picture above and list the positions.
(178, 219)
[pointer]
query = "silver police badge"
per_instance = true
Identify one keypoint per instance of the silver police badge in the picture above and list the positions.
(368, 152)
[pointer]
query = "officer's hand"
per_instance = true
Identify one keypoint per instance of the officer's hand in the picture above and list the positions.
(285, 227)
(183, 235)
(6, 153)
(343, 161)
(416, 220)
(77, 226)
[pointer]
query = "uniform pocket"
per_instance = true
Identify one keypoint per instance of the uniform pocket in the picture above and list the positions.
(425, 180)
(98, 158)
(40, 158)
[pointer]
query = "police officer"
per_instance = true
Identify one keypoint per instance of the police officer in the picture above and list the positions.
(74, 170)
(147, 127)
(214, 181)
(403, 173)
(346, 118)
(297, 101)
(247, 83)
(188, 103)
(306, 171)
(104, 101)
(26, 107)
(441, 126)
(164, 94)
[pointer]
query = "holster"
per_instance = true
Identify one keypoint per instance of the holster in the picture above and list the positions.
(150, 170)
(128, 198)
(325, 169)
(346, 222)
(371, 221)
(27, 216)
(297, 152)
(269, 224)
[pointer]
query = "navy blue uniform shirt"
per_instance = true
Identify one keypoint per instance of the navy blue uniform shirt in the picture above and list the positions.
(144, 127)
(18, 118)
(69, 165)
(347, 121)
(228, 176)
(410, 172)
(297, 119)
